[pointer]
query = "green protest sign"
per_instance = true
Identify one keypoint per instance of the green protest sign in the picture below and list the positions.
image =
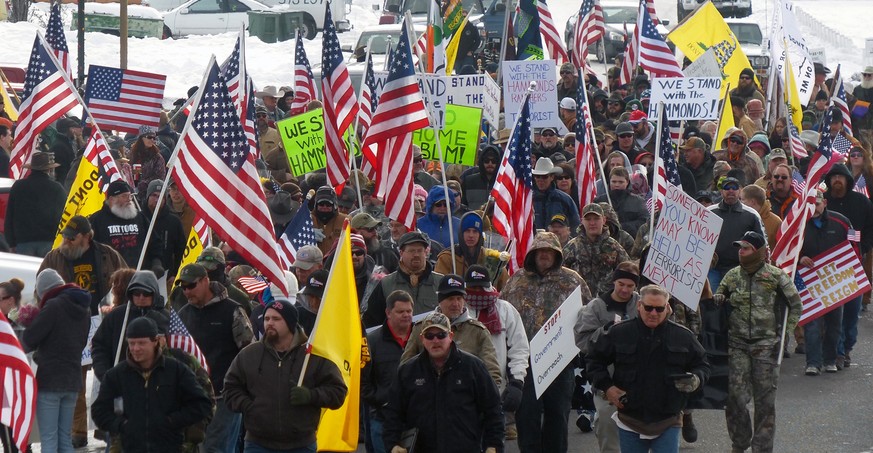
(303, 138)
(459, 138)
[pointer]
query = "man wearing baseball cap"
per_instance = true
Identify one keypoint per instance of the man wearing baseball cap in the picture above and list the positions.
(465, 417)
(697, 159)
(737, 218)
(309, 300)
(753, 289)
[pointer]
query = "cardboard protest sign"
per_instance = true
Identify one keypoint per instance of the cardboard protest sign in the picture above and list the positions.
(517, 76)
(303, 139)
(682, 246)
(554, 346)
(836, 278)
(705, 65)
(459, 138)
(686, 98)
(476, 90)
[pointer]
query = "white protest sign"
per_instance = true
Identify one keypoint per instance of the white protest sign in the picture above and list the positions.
(517, 76)
(686, 98)
(705, 65)
(682, 246)
(868, 52)
(433, 91)
(787, 38)
(86, 353)
(819, 55)
(476, 90)
(836, 277)
(554, 346)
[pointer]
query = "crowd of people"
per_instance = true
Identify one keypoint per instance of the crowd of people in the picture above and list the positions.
(448, 326)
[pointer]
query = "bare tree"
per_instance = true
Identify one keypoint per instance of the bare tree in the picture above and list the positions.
(19, 10)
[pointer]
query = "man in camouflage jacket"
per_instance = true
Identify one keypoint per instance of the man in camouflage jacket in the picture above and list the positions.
(594, 254)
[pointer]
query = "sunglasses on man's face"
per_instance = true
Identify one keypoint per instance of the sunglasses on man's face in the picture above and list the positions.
(441, 335)
(780, 177)
(736, 140)
(855, 154)
(439, 204)
(651, 308)
(262, 115)
(745, 78)
(566, 72)
(188, 286)
(548, 134)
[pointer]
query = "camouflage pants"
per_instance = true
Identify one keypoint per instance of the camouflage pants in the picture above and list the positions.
(753, 375)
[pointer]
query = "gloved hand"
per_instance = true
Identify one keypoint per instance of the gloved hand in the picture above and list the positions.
(512, 395)
(719, 299)
(300, 395)
(687, 385)
(318, 233)
(398, 449)
(158, 268)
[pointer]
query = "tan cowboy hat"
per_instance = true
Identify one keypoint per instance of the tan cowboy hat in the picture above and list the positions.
(270, 91)
(42, 161)
(502, 136)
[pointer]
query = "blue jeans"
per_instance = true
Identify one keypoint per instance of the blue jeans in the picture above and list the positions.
(667, 442)
(376, 435)
(715, 277)
(252, 447)
(38, 249)
(542, 423)
(54, 413)
(223, 430)
(849, 335)
(822, 349)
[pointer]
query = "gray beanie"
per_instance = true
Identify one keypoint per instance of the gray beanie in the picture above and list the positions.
(47, 280)
(154, 186)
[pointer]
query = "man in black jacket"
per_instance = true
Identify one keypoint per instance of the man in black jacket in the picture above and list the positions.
(447, 395)
(658, 363)
(168, 236)
(159, 396)
(477, 185)
(35, 207)
(737, 219)
(386, 344)
(120, 225)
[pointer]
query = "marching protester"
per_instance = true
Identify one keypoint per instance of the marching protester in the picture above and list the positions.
(35, 206)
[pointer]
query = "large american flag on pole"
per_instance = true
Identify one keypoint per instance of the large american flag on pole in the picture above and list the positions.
(839, 100)
(654, 55)
(666, 169)
(17, 385)
(789, 240)
(298, 233)
(216, 173)
(842, 263)
(632, 50)
(551, 38)
(47, 95)
(97, 152)
(369, 103)
(400, 112)
(54, 36)
(241, 90)
(178, 337)
(340, 105)
(589, 29)
(124, 99)
(586, 166)
(513, 189)
(304, 81)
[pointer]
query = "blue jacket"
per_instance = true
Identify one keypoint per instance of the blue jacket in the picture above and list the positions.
(553, 201)
(436, 227)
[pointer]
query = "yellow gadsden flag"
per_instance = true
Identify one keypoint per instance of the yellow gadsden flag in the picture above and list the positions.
(7, 104)
(193, 249)
(705, 29)
(792, 98)
(725, 122)
(85, 197)
(337, 336)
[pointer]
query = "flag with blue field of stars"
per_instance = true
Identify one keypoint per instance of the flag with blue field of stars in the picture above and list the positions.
(513, 189)
(54, 35)
(298, 233)
(340, 103)
(304, 81)
(217, 175)
(654, 54)
(178, 337)
(665, 162)
(241, 90)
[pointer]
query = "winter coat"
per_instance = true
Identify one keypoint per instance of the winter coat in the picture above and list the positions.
(158, 405)
(737, 219)
(470, 336)
(379, 372)
(125, 236)
(630, 208)
(747, 161)
(824, 233)
(258, 385)
(424, 295)
(457, 411)
(64, 153)
(169, 237)
(702, 174)
(34, 209)
(855, 206)
(551, 202)
(595, 260)
(59, 334)
(510, 344)
(476, 186)
(434, 226)
(596, 316)
(102, 260)
(771, 223)
(104, 345)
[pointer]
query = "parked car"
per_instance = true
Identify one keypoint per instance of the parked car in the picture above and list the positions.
(619, 19)
(13, 265)
(751, 40)
(5, 187)
(727, 8)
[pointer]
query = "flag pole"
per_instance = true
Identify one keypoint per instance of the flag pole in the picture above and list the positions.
(605, 61)
(357, 123)
(721, 102)
(9, 85)
(504, 44)
(657, 174)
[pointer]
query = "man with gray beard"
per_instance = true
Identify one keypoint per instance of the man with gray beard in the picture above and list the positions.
(863, 93)
(120, 225)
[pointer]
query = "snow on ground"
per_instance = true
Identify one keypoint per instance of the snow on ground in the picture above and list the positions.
(184, 60)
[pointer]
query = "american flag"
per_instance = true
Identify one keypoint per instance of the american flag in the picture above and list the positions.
(589, 29)
(253, 285)
(665, 162)
(340, 105)
(654, 55)
(861, 186)
(853, 235)
(789, 240)
(17, 385)
(178, 337)
(840, 259)
(631, 53)
(513, 189)
(400, 112)
(369, 102)
(202, 231)
(241, 90)
(297, 233)
(586, 174)
(841, 144)
(798, 149)
(217, 174)
(304, 81)
(839, 100)
(798, 184)
(54, 36)
(46, 97)
(551, 38)
(419, 50)
(123, 99)
(98, 154)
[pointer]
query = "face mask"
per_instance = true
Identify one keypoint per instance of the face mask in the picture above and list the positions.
(324, 217)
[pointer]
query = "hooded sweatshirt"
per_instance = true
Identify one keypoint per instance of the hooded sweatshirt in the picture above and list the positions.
(437, 227)
(476, 187)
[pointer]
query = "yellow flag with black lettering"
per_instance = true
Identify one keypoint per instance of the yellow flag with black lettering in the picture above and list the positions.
(7, 104)
(724, 124)
(85, 197)
(792, 98)
(193, 248)
(338, 337)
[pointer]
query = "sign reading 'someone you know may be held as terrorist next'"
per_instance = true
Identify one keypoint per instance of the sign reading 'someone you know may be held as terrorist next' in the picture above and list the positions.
(554, 346)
